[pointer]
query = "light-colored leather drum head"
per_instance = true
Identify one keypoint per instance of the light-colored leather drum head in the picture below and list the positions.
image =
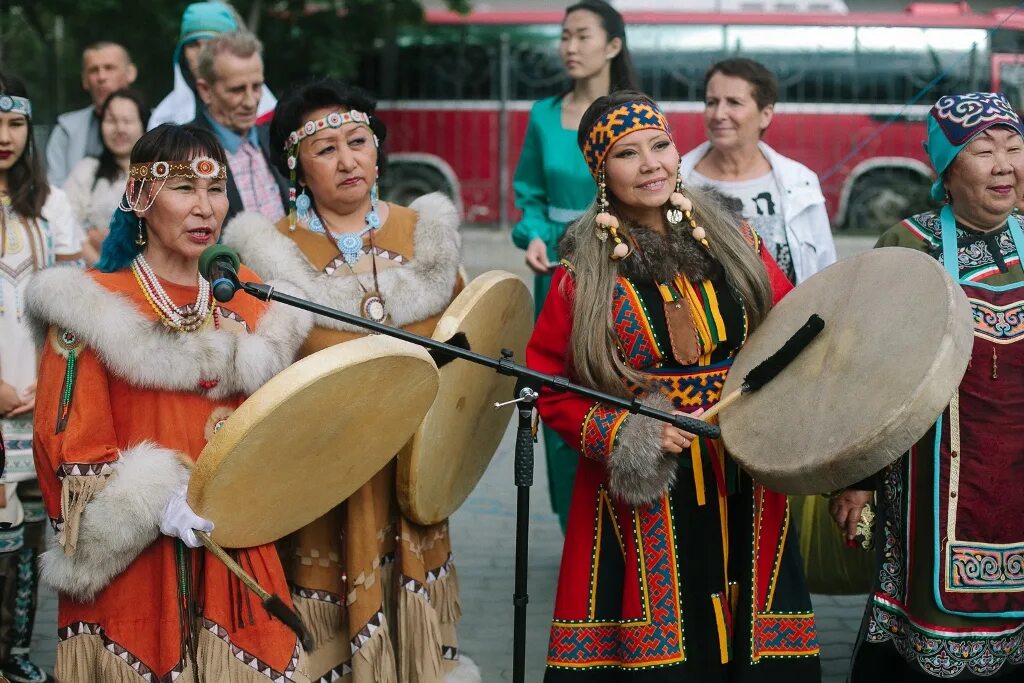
(451, 450)
(898, 335)
(311, 436)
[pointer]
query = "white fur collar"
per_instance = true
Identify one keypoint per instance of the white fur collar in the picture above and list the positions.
(416, 291)
(142, 352)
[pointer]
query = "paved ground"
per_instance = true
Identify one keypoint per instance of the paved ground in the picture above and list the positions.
(484, 536)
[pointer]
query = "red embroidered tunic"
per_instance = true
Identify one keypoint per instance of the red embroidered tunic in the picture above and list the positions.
(700, 584)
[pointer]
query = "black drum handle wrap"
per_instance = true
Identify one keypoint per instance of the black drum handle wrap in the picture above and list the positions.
(698, 427)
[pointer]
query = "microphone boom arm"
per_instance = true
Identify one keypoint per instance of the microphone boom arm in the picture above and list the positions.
(502, 366)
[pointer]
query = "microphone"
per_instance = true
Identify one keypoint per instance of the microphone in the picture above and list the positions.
(218, 265)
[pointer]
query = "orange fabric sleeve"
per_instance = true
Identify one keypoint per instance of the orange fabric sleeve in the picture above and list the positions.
(74, 435)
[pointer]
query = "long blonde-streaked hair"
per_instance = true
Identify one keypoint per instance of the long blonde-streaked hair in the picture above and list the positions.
(593, 344)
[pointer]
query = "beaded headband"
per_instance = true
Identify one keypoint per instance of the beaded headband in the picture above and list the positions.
(617, 123)
(158, 171)
(16, 105)
(200, 167)
(336, 119)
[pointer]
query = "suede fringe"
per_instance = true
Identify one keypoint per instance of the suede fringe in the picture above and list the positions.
(375, 660)
(323, 619)
(419, 638)
(84, 659)
(75, 493)
(444, 597)
(387, 582)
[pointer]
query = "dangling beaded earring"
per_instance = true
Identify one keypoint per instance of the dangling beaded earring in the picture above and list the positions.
(372, 217)
(302, 205)
(682, 209)
(140, 241)
(608, 224)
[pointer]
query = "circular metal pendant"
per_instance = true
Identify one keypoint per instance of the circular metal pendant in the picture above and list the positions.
(674, 216)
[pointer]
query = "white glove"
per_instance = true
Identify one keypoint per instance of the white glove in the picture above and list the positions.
(179, 521)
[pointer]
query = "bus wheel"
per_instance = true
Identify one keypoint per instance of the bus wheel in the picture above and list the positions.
(404, 183)
(881, 199)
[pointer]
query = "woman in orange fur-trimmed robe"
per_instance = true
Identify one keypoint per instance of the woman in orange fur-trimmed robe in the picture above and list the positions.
(139, 367)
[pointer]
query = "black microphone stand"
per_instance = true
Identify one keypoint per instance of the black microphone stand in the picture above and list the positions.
(527, 391)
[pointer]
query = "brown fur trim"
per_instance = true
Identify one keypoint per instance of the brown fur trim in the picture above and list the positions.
(639, 472)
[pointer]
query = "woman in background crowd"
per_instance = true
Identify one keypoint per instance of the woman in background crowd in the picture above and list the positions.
(200, 22)
(96, 185)
(37, 230)
(552, 183)
(781, 198)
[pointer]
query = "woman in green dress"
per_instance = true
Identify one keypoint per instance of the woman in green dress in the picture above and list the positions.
(552, 183)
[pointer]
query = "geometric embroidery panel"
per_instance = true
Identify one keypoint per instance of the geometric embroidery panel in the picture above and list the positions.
(632, 329)
(600, 427)
(655, 640)
(785, 635)
(78, 469)
(691, 390)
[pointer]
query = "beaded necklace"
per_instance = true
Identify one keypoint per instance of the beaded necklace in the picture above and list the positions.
(372, 305)
(350, 244)
(188, 318)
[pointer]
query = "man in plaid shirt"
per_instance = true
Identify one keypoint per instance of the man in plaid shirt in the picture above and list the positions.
(230, 84)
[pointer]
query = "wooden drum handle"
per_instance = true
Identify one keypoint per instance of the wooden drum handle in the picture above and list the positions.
(272, 603)
(230, 563)
(717, 408)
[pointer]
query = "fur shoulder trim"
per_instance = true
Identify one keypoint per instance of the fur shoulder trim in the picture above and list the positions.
(142, 352)
(121, 521)
(639, 472)
(416, 291)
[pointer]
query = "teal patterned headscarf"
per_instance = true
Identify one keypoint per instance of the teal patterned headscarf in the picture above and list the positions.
(204, 20)
(955, 120)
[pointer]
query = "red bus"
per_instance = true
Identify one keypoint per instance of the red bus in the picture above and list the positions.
(456, 94)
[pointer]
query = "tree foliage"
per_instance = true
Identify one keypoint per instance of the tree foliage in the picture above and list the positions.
(42, 41)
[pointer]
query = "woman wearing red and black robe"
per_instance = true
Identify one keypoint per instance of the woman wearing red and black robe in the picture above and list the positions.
(677, 565)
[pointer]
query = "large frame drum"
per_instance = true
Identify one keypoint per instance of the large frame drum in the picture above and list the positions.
(311, 436)
(897, 339)
(452, 448)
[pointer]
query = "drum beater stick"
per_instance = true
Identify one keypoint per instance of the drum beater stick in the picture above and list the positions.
(769, 368)
(273, 604)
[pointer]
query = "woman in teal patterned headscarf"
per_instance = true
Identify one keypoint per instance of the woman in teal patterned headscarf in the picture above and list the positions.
(949, 599)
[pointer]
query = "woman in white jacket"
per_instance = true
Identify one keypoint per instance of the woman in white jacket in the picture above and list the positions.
(781, 198)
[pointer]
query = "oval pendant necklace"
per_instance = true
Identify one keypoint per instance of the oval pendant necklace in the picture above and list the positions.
(350, 244)
(372, 306)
